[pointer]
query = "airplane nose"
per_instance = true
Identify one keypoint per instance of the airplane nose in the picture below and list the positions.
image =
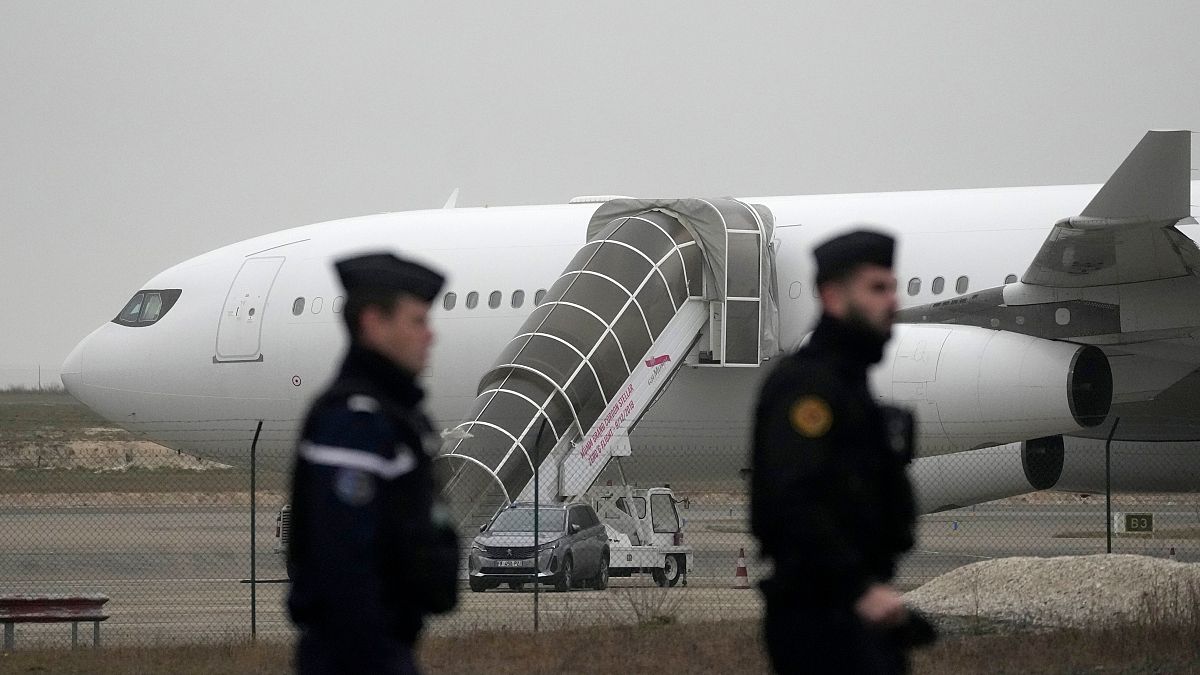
(72, 369)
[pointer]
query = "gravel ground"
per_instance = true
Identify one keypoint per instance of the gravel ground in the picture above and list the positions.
(1071, 591)
(134, 499)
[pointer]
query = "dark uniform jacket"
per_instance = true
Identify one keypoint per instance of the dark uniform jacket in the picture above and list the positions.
(830, 501)
(369, 553)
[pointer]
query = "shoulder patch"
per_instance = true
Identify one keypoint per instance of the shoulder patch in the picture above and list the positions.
(362, 403)
(354, 487)
(811, 417)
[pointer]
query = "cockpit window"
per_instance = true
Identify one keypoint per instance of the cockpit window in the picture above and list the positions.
(151, 308)
(132, 310)
(147, 307)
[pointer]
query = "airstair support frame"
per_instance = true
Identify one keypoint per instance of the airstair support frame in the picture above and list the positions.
(608, 437)
(608, 337)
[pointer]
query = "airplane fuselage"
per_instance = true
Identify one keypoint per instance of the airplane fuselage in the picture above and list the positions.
(171, 382)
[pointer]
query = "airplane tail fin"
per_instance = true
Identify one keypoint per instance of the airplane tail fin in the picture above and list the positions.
(1152, 184)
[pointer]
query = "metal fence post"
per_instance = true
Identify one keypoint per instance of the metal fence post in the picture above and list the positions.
(537, 494)
(253, 529)
(1108, 482)
(537, 554)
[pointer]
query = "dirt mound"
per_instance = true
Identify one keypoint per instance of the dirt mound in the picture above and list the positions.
(1070, 591)
(95, 453)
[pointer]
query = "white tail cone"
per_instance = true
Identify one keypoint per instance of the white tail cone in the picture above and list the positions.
(741, 577)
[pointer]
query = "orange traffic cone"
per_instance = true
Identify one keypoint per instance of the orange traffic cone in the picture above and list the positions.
(741, 578)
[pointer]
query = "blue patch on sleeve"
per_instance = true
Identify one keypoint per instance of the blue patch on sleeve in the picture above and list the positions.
(354, 487)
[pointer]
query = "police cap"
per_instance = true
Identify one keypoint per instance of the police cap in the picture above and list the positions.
(386, 272)
(838, 257)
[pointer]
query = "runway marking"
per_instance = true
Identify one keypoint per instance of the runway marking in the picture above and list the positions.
(964, 555)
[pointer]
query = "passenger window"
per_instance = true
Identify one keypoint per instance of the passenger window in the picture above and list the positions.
(518, 299)
(449, 300)
(318, 305)
(297, 306)
(1010, 279)
(961, 285)
(914, 286)
(539, 296)
(494, 299)
(937, 285)
(338, 303)
(663, 516)
(152, 308)
(472, 300)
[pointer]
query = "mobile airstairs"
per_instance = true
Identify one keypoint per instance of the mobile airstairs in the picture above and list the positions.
(655, 282)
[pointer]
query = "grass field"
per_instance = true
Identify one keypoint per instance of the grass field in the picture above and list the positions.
(720, 647)
(52, 444)
(37, 415)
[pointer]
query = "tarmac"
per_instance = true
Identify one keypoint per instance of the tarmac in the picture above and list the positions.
(177, 573)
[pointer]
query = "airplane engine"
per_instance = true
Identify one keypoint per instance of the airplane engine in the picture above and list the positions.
(951, 481)
(974, 388)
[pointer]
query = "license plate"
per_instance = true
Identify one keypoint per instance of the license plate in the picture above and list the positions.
(511, 563)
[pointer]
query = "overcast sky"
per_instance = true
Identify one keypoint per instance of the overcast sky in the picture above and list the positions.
(134, 135)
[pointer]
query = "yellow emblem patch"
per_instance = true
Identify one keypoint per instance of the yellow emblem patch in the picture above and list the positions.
(811, 417)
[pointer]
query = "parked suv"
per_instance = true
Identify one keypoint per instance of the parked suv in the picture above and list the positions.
(571, 548)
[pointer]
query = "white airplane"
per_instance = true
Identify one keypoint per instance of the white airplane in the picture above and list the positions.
(1032, 320)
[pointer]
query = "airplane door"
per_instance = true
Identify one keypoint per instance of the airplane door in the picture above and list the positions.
(240, 328)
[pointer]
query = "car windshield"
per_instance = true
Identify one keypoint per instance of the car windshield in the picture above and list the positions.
(521, 520)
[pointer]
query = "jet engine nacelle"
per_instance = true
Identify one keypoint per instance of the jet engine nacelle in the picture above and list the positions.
(973, 388)
(952, 481)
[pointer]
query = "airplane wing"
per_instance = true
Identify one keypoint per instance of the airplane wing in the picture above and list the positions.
(1127, 233)
(1120, 272)
(1120, 276)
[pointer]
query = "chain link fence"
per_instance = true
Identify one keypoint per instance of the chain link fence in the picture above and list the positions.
(188, 550)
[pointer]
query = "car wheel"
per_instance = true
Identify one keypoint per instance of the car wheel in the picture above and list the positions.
(671, 572)
(566, 576)
(600, 582)
(516, 585)
(478, 585)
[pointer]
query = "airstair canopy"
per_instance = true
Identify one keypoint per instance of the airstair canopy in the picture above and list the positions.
(735, 238)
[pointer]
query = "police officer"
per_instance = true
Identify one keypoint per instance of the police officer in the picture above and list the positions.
(370, 552)
(830, 501)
